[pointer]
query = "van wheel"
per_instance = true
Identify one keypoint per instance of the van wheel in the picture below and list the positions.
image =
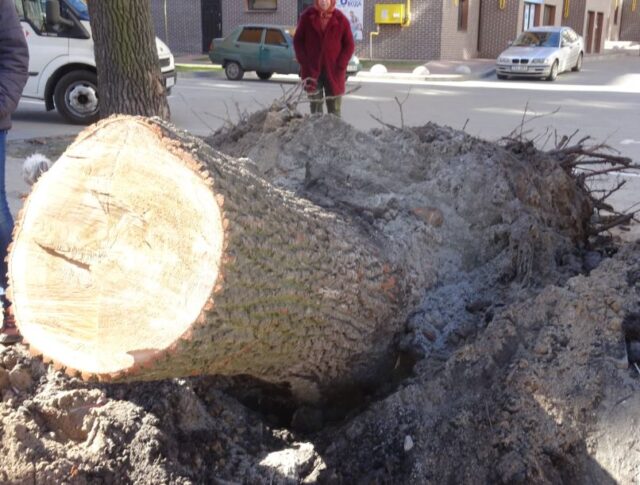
(233, 71)
(265, 76)
(76, 97)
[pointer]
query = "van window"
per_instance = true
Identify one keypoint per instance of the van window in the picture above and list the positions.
(20, 9)
(34, 13)
(251, 34)
(80, 8)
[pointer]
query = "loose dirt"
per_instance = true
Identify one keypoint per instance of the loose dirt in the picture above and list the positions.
(516, 364)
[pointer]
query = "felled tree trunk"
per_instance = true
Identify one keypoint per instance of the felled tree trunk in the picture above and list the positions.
(145, 254)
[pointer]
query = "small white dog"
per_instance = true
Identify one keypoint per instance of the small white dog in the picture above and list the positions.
(34, 166)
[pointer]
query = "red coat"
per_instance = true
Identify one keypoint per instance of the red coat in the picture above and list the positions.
(327, 51)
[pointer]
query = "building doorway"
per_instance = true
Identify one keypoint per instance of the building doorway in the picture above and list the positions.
(211, 14)
(591, 23)
(599, 30)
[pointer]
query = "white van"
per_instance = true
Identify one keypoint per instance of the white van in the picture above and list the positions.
(62, 66)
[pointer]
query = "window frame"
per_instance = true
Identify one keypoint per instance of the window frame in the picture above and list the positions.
(250, 6)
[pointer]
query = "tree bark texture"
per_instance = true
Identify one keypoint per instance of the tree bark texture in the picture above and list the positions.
(145, 254)
(129, 77)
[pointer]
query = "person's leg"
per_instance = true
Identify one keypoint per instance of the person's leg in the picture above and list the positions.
(334, 105)
(6, 221)
(316, 97)
(9, 333)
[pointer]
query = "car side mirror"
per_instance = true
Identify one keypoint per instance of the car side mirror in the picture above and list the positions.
(54, 19)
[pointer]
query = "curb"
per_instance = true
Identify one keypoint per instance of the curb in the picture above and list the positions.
(431, 77)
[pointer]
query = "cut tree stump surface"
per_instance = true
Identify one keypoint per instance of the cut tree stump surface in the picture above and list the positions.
(145, 254)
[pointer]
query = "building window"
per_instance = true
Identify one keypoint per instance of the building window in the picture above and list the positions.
(463, 14)
(549, 15)
(529, 17)
(262, 5)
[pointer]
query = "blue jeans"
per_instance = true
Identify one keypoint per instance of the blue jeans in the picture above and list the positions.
(6, 221)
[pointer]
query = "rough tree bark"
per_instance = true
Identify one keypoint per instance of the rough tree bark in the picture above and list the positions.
(129, 77)
(145, 254)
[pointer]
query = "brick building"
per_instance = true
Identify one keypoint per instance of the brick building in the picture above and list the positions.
(630, 20)
(438, 29)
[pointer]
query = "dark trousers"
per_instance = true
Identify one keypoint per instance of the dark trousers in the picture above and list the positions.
(6, 221)
(334, 105)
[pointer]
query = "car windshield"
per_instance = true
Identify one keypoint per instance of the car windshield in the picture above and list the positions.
(538, 39)
(80, 8)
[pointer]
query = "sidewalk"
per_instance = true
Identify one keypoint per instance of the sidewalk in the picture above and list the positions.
(447, 70)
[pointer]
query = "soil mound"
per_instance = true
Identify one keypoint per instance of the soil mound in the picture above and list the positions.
(516, 364)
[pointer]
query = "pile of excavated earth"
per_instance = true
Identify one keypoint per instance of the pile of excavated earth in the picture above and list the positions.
(517, 362)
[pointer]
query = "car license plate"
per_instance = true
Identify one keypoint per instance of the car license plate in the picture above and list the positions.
(170, 81)
(519, 68)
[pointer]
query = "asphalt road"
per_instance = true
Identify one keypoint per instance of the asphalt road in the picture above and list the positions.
(602, 101)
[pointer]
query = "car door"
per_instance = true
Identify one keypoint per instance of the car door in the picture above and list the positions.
(247, 47)
(276, 53)
(576, 47)
(566, 48)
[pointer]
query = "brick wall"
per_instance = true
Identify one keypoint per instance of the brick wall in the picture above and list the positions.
(498, 26)
(433, 32)
(418, 41)
(458, 44)
(235, 12)
(183, 29)
(577, 16)
(630, 22)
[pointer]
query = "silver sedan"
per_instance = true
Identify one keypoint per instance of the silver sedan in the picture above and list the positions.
(542, 52)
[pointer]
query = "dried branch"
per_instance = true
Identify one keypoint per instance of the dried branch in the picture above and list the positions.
(400, 104)
(518, 134)
(617, 221)
(386, 125)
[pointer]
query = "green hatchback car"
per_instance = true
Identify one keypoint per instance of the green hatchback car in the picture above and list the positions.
(265, 49)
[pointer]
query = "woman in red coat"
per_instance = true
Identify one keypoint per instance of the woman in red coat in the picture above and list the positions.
(324, 45)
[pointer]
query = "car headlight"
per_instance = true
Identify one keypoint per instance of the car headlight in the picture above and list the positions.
(539, 61)
(504, 60)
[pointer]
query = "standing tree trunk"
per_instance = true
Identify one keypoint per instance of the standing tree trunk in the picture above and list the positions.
(129, 77)
(145, 254)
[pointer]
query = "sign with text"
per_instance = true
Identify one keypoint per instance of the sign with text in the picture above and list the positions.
(353, 10)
